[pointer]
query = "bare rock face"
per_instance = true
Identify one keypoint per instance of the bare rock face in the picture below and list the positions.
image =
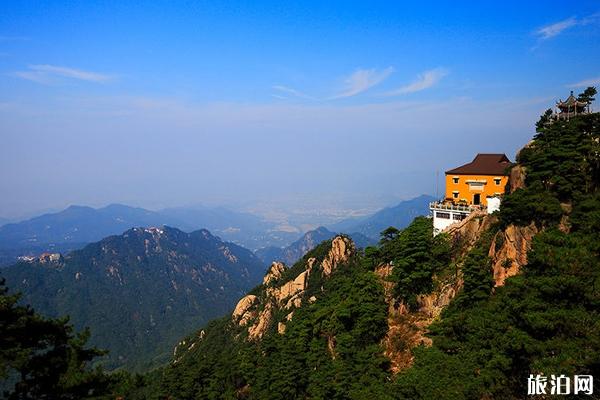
(341, 250)
(294, 301)
(508, 251)
(243, 311)
(280, 328)
(262, 323)
(433, 304)
(467, 232)
(383, 272)
(516, 180)
(565, 223)
(294, 287)
(407, 329)
(274, 272)
(257, 313)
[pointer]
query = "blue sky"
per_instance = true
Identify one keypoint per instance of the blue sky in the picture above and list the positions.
(176, 103)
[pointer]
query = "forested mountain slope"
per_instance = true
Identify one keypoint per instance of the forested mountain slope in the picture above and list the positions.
(468, 314)
(139, 292)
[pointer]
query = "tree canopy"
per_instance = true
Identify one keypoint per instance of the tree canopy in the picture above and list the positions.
(44, 358)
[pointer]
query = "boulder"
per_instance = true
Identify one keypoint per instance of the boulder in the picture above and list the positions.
(274, 272)
(341, 250)
(243, 310)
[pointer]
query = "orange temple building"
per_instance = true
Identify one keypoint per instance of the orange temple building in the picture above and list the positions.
(477, 185)
(474, 182)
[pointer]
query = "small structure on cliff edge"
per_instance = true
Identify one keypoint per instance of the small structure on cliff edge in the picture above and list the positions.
(475, 186)
(571, 107)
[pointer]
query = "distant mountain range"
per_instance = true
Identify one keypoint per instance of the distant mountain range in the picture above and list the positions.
(245, 229)
(398, 216)
(140, 291)
(363, 231)
(75, 226)
(295, 251)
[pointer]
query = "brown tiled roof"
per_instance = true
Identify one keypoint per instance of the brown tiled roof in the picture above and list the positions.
(484, 164)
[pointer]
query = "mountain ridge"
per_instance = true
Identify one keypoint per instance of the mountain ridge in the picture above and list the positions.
(398, 216)
(141, 290)
(77, 225)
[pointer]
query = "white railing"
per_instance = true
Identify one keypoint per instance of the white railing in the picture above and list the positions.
(438, 205)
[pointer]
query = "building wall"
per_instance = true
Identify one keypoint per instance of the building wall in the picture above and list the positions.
(485, 186)
(444, 218)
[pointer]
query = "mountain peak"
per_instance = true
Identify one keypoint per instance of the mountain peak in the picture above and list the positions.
(163, 281)
(284, 290)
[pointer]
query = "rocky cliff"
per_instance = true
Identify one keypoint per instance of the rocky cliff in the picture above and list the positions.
(507, 253)
(280, 294)
(270, 307)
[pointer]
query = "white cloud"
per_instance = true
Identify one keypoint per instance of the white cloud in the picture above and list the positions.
(290, 91)
(555, 29)
(361, 81)
(590, 19)
(33, 76)
(424, 81)
(48, 73)
(585, 83)
(549, 31)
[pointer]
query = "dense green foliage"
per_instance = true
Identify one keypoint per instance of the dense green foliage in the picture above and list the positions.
(545, 320)
(42, 358)
(330, 348)
(416, 256)
(562, 165)
(139, 292)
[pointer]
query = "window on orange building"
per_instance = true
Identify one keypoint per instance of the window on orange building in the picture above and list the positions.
(455, 180)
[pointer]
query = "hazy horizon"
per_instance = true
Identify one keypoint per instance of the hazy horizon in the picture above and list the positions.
(332, 105)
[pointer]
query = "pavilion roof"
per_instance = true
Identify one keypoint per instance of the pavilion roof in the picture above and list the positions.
(571, 101)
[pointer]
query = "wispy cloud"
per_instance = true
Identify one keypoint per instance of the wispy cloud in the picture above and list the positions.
(555, 29)
(361, 81)
(46, 74)
(290, 91)
(424, 81)
(585, 83)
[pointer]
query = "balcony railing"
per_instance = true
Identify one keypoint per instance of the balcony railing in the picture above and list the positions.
(439, 205)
